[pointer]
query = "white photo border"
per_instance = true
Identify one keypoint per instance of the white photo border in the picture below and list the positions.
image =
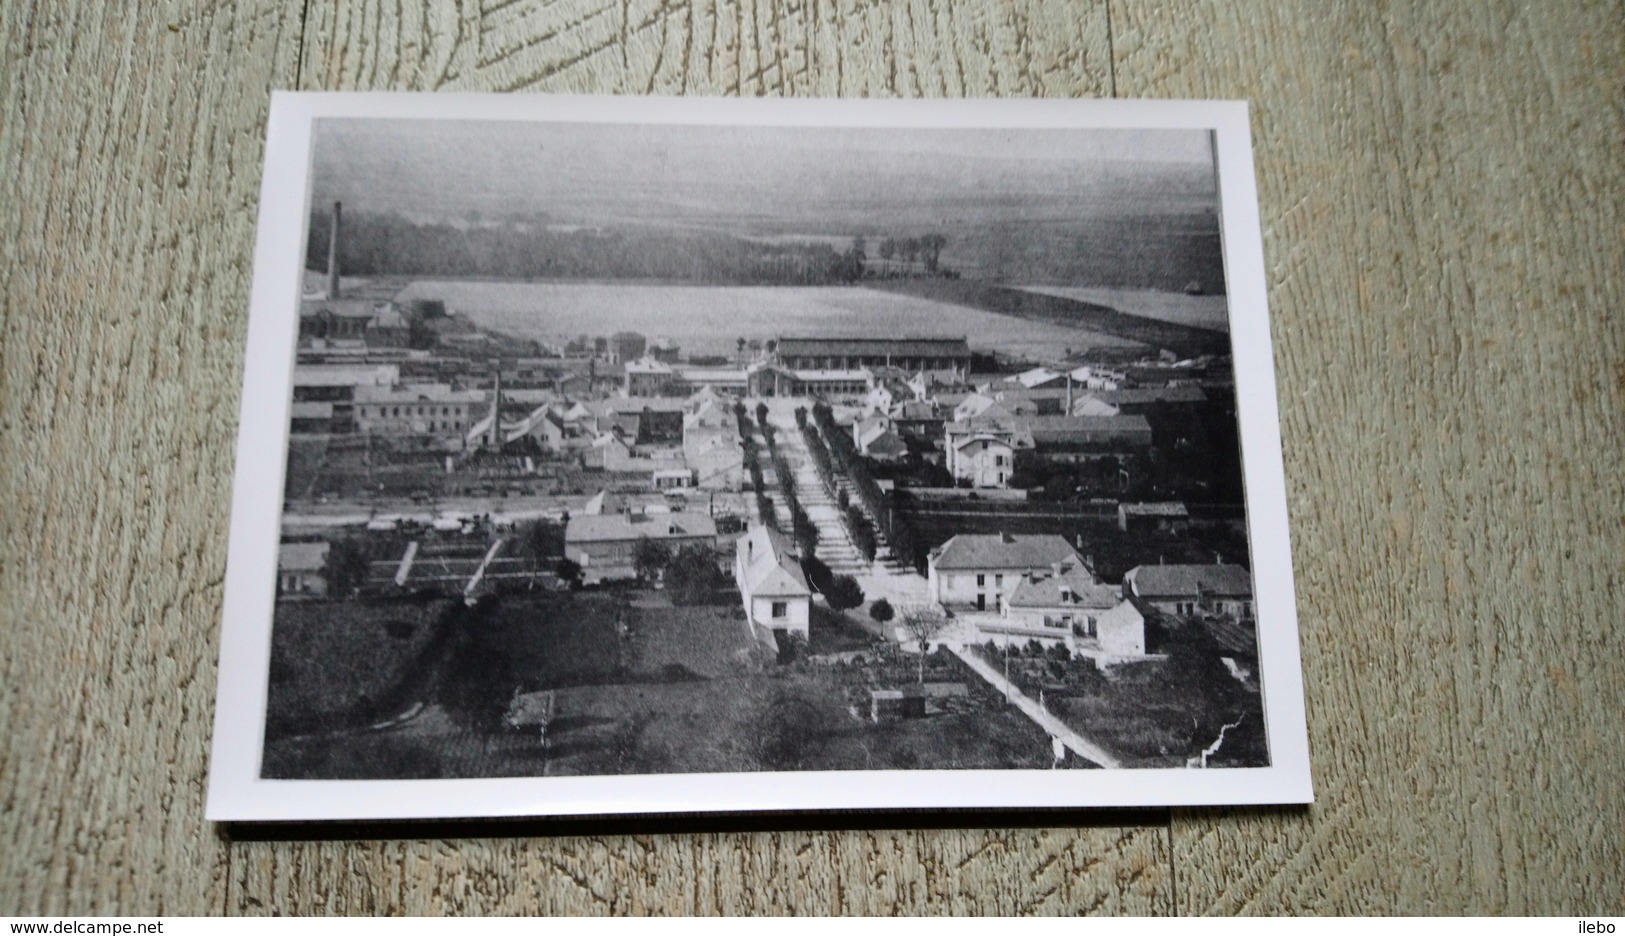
(236, 792)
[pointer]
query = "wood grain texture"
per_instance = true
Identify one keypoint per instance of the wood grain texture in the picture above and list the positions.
(1441, 189)
(1052, 48)
(131, 144)
(1014, 871)
(1443, 210)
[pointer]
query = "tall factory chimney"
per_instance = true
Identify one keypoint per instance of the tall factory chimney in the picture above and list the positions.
(333, 253)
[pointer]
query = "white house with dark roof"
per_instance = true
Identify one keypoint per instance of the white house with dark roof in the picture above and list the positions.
(771, 584)
(1091, 618)
(980, 569)
(1193, 589)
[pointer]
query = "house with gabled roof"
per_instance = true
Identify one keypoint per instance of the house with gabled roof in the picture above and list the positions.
(1066, 601)
(772, 586)
(604, 545)
(881, 443)
(981, 569)
(1216, 589)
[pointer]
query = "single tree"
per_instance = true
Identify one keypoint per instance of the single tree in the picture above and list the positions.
(923, 624)
(844, 593)
(346, 568)
(649, 559)
(569, 572)
(881, 610)
(692, 576)
(931, 245)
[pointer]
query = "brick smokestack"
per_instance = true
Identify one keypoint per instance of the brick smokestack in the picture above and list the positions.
(333, 253)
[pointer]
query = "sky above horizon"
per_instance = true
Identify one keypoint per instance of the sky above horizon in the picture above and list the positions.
(755, 179)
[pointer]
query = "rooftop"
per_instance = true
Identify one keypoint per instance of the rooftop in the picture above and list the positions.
(1002, 551)
(647, 366)
(1192, 581)
(897, 347)
(1159, 509)
(418, 393)
(1144, 395)
(345, 375)
(587, 528)
(302, 557)
(1075, 587)
(771, 568)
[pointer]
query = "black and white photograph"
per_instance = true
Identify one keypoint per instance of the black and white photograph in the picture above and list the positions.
(615, 446)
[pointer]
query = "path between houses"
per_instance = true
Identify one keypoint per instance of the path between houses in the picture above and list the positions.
(1074, 742)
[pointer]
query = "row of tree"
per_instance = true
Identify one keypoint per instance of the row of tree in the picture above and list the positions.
(391, 245)
(906, 545)
(801, 525)
(753, 467)
(858, 527)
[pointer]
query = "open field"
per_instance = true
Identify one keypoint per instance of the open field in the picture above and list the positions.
(1153, 714)
(1033, 308)
(642, 687)
(335, 662)
(1203, 311)
(709, 319)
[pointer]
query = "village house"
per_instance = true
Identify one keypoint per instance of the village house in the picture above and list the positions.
(642, 421)
(932, 384)
(716, 459)
(337, 319)
(711, 446)
(1069, 438)
(985, 460)
(980, 569)
(1047, 401)
(603, 544)
(543, 424)
(706, 397)
(1066, 600)
(881, 444)
(982, 450)
(1161, 517)
(1099, 377)
(886, 393)
(771, 584)
(334, 385)
(711, 414)
(647, 377)
(917, 419)
(673, 479)
(388, 328)
(302, 570)
(427, 411)
(1039, 378)
(1193, 589)
(616, 453)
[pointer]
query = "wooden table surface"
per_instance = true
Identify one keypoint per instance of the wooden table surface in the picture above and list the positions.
(1444, 226)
